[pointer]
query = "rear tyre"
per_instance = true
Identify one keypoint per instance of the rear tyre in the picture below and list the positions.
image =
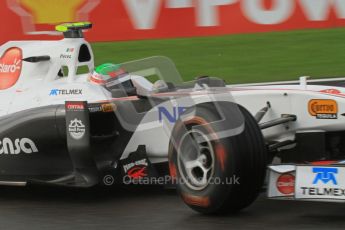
(217, 176)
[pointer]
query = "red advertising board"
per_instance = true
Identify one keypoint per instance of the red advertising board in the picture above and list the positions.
(150, 19)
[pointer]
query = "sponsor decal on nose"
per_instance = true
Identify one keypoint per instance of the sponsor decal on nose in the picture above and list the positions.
(325, 175)
(323, 108)
(286, 184)
(10, 67)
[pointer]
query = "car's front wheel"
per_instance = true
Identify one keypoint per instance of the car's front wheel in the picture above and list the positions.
(217, 175)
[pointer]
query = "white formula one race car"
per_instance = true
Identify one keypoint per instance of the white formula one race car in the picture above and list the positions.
(62, 127)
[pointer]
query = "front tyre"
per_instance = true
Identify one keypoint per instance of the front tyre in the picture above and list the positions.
(219, 175)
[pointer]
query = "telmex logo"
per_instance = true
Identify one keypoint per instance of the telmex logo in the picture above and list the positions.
(65, 92)
(325, 175)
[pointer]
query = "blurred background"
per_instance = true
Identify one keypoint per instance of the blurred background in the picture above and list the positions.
(238, 40)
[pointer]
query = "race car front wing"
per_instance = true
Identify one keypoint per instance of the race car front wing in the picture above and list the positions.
(315, 182)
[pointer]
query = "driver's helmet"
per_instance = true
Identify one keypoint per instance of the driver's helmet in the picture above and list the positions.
(106, 72)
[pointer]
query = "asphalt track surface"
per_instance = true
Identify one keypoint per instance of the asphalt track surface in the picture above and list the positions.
(150, 208)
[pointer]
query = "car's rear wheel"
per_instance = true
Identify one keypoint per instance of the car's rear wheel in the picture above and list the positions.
(217, 175)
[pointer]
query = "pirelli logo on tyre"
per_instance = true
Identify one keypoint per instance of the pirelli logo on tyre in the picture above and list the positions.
(323, 108)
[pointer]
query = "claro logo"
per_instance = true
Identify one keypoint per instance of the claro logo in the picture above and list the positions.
(10, 67)
(19, 145)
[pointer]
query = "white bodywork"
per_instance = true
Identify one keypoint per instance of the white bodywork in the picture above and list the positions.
(37, 80)
(284, 99)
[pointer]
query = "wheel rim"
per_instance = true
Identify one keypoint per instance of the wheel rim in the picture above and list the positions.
(196, 159)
